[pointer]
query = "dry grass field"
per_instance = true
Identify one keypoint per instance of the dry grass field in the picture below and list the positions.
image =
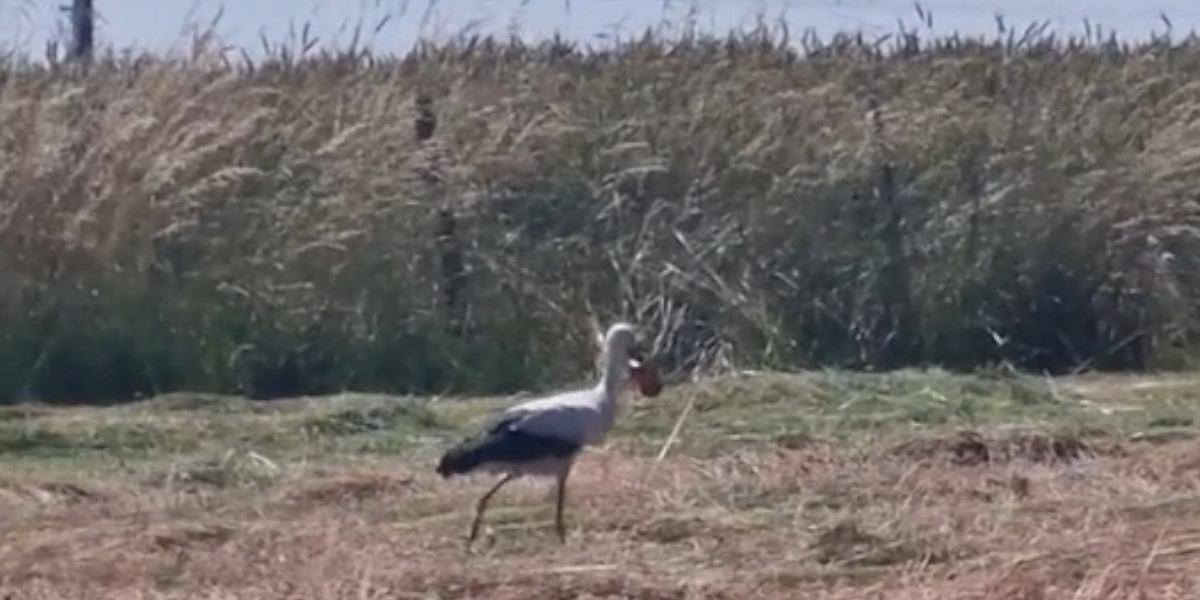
(822, 485)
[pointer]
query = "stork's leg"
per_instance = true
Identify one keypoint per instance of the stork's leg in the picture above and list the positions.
(482, 506)
(559, 526)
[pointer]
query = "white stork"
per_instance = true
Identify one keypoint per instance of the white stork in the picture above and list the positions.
(542, 437)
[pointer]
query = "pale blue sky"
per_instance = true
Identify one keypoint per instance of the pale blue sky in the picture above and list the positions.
(160, 24)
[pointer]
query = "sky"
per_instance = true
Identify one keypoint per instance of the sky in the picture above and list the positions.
(161, 24)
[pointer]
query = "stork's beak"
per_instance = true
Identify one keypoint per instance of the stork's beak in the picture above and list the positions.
(637, 356)
(637, 360)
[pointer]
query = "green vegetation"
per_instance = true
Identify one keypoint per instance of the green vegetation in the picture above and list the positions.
(751, 411)
(273, 229)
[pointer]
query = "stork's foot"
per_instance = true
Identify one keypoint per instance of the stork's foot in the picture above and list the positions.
(469, 545)
(469, 541)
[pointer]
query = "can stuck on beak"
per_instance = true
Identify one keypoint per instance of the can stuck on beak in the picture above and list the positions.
(645, 376)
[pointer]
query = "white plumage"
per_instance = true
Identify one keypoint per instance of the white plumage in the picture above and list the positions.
(542, 437)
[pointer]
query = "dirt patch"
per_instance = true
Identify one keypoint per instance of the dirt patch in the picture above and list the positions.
(354, 487)
(847, 544)
(971, 447)
(191, 536)
(671, 529)
(48, 493)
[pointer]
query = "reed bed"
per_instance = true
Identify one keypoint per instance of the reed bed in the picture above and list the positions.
(449, 220)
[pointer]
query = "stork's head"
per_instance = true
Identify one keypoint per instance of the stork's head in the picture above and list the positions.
(621, 339)
(621, 344)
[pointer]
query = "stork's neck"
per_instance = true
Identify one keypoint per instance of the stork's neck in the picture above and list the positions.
(616, 372)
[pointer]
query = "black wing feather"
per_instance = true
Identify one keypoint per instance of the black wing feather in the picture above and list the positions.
(503, 443)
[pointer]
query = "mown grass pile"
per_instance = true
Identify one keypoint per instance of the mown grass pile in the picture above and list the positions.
(912, 484)
(283, 227)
